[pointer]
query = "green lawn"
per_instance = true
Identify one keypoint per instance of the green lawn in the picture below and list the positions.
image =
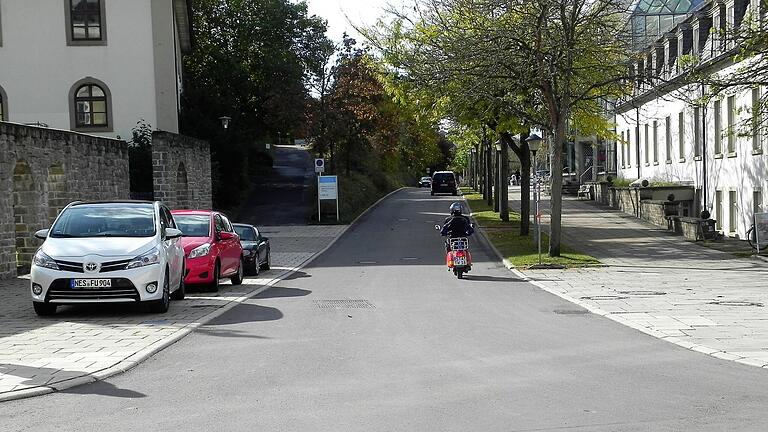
(521, 251)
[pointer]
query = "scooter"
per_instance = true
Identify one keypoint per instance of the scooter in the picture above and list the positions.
(458, 259)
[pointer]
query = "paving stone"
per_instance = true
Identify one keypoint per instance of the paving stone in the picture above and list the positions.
(640, 257)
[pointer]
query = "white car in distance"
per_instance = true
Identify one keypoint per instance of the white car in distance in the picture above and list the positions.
(109, 252)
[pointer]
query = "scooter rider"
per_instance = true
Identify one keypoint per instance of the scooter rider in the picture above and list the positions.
(456, 225)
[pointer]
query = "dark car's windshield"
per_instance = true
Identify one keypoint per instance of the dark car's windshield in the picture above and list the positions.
(106, 220)
(193, 225)
(245, 233)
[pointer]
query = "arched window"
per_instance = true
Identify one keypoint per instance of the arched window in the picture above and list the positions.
(90, 106)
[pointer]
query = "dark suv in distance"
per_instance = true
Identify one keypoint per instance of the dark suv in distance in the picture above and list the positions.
(444, 182)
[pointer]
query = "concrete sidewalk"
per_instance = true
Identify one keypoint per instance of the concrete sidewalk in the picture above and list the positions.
(660, 284)
(82, 344)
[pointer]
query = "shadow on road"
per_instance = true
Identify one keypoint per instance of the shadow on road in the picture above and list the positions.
(279, 292)
(247, 312)
(477, 278)
(104, 388)
(229, 333)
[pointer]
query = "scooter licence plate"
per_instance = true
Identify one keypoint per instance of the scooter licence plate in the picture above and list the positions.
(460, 261)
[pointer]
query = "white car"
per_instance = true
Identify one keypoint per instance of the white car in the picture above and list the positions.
(109, 252)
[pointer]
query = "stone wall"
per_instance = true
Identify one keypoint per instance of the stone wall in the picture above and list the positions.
(41, 171)
(182, 171)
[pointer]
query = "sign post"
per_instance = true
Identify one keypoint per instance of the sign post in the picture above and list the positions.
(327, 189)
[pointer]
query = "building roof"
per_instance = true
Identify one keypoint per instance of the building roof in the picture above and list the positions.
(183, 11)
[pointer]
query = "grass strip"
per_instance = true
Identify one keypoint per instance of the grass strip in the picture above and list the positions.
(521, 251)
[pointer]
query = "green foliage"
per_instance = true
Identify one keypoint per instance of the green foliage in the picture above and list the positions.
(140, 159)
(252, 61)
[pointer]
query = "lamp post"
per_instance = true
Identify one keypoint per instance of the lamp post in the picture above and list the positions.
(473, 166)
(534, 141)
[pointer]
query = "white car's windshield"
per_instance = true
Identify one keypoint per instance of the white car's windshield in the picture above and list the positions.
(106, 220)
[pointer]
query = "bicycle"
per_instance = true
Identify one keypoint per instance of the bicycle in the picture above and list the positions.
(753, 240)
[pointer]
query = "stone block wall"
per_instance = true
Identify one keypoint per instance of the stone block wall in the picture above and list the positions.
(182, 171)
(41, 171)
(626, 200)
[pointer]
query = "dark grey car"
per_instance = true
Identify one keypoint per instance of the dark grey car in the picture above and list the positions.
(256, 249)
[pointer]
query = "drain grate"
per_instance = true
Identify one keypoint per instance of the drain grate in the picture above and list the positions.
(604, 297)
(344, 304)
(643, 293)
(736, 303)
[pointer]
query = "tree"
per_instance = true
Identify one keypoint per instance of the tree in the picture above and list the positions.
(532, 62)
(251, 62)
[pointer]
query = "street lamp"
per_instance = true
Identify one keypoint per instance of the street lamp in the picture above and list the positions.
(534, 141)
(473, 166)
(225, 121)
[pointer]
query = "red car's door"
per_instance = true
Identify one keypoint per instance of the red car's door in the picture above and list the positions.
(234, 250)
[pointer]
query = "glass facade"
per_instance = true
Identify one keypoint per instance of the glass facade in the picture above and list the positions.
(652, 18)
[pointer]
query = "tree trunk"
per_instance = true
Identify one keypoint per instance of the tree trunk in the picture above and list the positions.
(489, 173)
(496, 179)
(504, 183)
(556, 194)
(524, 156)
(481, 161)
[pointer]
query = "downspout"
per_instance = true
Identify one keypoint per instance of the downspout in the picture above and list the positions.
(637, 137)
(704, 151)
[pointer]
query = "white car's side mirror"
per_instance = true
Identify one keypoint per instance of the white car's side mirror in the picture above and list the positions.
(42, 234)
(172, 233)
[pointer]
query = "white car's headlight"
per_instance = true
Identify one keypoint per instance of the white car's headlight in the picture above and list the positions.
(149, 258)
(42, 260)
(202, 250)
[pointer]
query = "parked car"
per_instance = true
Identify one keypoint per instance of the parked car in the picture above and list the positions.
(256, 249)
(109, 252)
(444, 182)
(211, 246)
(425, 182)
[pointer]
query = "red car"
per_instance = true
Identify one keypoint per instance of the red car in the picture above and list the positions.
(211, 248)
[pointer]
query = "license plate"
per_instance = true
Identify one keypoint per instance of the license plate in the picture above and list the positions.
(460, 261)
(91, 283)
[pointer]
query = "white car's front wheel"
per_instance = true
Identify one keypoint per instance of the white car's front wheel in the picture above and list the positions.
(162, 305)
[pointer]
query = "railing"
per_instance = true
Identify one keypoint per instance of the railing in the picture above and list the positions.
(581, 177)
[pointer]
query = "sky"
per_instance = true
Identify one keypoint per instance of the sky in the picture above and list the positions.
(360, 12)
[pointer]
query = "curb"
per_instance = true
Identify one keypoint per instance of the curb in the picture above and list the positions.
(140, 356)
(618, 318)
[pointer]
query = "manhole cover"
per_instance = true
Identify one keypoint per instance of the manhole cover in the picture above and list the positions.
(643, 293)
(344, 304)
(571, 312)
(736, 303)
(604, 297)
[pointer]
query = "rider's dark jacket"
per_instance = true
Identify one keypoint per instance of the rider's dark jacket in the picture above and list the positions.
(457, 226)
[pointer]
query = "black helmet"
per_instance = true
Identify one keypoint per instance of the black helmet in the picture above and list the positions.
(456, 209)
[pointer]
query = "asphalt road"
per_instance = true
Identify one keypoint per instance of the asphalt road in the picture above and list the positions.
(377, 336)
(280, 195)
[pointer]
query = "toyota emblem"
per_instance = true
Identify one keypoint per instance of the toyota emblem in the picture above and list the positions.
(91, 267)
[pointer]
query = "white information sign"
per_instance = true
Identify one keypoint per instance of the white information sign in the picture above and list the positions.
(327, 189)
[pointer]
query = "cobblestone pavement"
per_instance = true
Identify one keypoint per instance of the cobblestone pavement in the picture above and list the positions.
(80, 344)
(660, 284)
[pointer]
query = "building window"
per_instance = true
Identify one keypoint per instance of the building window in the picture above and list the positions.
(731, 124)
(90, 106)
(732, 207)
(668, 137)
(718, 127)
(3, 105)
(757, 201)
(756, 119)
(681, 134)
(655, 141)
(647, 150)
(719, 209)
(85, 22)
(696, 131)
